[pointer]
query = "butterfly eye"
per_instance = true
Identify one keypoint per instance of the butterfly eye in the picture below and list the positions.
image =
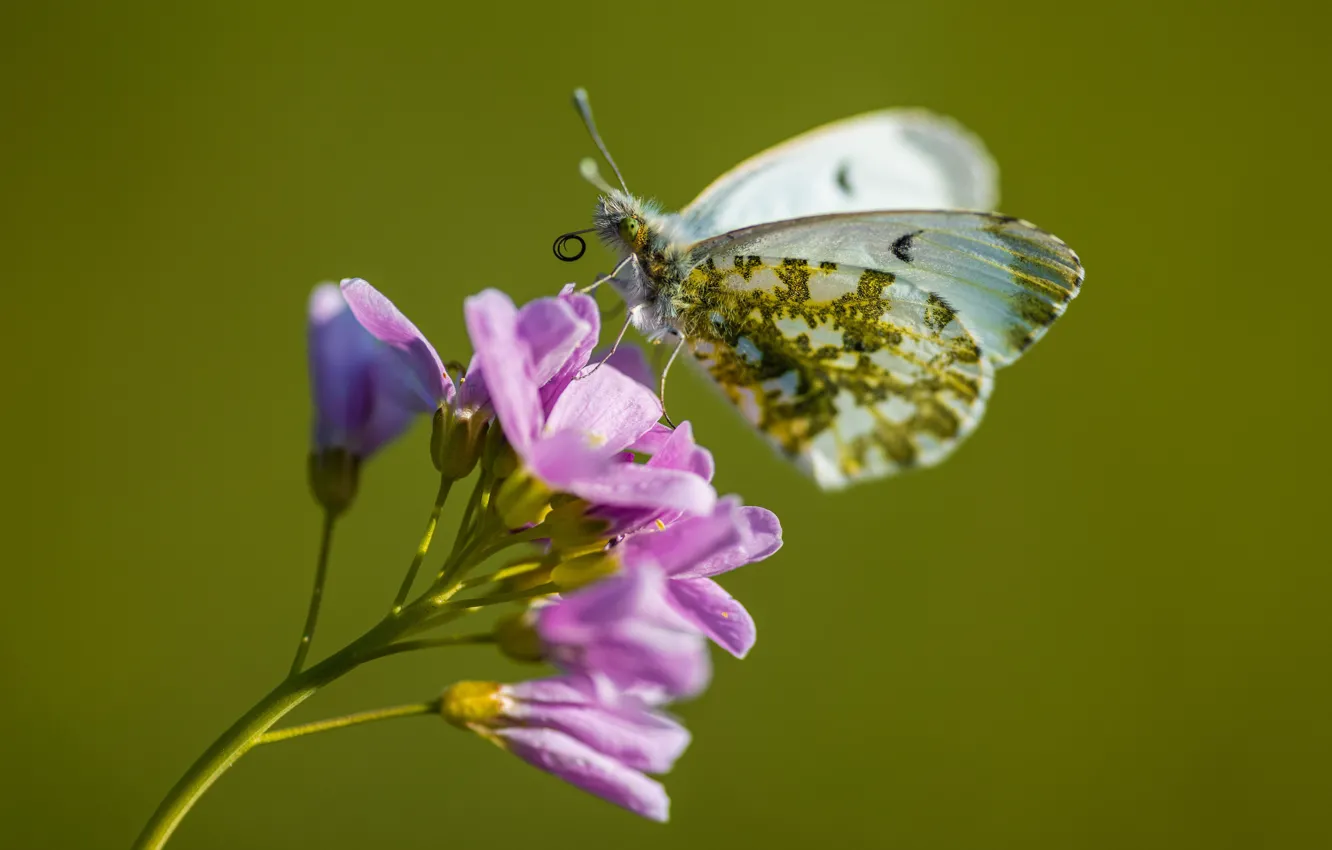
(629, 228)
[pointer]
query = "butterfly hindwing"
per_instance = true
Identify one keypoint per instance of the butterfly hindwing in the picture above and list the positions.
(891, 159)
(853, 372)
(1004, 279)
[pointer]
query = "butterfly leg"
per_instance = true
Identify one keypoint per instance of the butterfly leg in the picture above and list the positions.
(628, 320)
(604, 278)
(679, 345)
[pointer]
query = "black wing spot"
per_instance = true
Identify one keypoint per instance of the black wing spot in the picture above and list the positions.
(938, 313)
(903, 249)
(843, 179)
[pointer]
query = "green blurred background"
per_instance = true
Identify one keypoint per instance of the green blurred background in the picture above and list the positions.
(1103, 624)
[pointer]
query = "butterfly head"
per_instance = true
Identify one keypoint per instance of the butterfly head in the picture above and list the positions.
(633, 232)
(625, 223)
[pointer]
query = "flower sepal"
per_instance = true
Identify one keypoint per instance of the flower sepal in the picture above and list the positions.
(335, 474)
(522, 500)
(469, 704)
(571, 529)
(457, 438)
(517, 638)
(583, 570)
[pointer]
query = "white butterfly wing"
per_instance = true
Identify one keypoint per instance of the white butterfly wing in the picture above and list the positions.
(1004, 279)
(893, 159)
(850, 373)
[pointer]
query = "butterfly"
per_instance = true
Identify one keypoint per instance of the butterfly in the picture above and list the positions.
(847, 290)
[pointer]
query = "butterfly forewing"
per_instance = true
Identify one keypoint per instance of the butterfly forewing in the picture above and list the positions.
(1004, 279)
(851, 371)
(891, 159)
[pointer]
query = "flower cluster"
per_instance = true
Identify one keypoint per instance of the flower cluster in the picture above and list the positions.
(621, 598)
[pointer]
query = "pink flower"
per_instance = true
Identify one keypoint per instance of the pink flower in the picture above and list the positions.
(561, 726)
(571, 434)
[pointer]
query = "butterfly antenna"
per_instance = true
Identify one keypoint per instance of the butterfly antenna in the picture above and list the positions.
(585, 110)
(587, 166)
(664, 371)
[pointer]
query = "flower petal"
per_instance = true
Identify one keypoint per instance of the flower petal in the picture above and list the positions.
(631, 360)
(492, 323)
(578, 764)
(684, 544)
(565, 459)
(584, 308)
(624, 629)
(615, 409)
(387, 324)
(680, 451)
(342, 354)
(632, 596)
(715, 612)
(636, 736)
(763, 537)
(393, 406)
(629, 485)
(553, 331)
(651, 442)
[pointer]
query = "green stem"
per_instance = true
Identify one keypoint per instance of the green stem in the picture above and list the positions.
(431, 609)
(245, 732)
(445, 484)
(469, 513)
(482, 548)
(500, 598)
(233, 744)
(316, 595)
(412, 710)
(516, 568)
(467, 528)
(441, 619)
(448, 609)
(432, 643)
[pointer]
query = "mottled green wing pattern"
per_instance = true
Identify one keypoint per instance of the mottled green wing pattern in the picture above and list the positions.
(865, 343)
(851, 372)
(1004, 278)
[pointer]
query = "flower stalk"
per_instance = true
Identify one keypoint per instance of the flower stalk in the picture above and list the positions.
(415, 709)
(445, 484)
(245, 733)
(316, 594)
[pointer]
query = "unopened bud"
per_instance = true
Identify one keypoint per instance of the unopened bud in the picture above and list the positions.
(456, 440)
(522, 500)
(497, 457)
(465, 703)
(516, 636)
(526, 580)
(583, 570)
(571, 528)
(334, 475)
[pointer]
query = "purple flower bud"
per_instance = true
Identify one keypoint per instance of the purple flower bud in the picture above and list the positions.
(423, 381)
(561, 726)
(362, 393)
